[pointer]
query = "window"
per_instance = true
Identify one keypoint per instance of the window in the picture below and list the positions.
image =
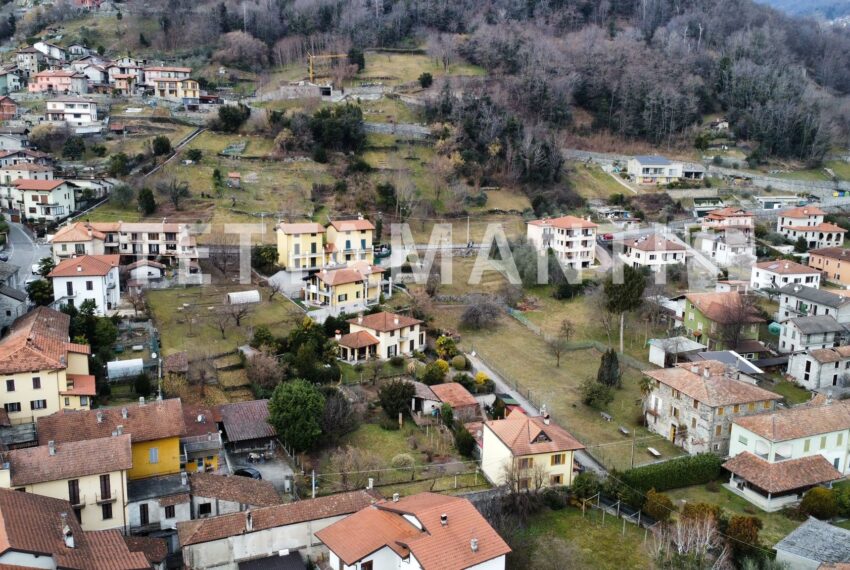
(696, 404)
(89, 285)
(342, 298)
(84, 400)
(751, 406)
(12, 406)
(807, 445)
(693, 423)
(67, 401)
(38, 404)
(74, 491)
(556, 479)
(69, 288)
(10, 385)
(718, 431)
(144, 517)
(526, 463)
(742, 439)
(169, 512)
(36, 383)
(366, 565)
(767, 405)
(106, 509)
(558, 459)
(205, 509)
(736, 408)
(839, 440)
(823, 442)
(720, 411)
(105, 488)
(153, 455)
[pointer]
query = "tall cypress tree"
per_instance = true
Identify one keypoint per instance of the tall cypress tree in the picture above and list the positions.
(609, 369)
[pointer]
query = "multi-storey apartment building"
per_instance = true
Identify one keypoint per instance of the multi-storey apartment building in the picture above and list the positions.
(572, 239)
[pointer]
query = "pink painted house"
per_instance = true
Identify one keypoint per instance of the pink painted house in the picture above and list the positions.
(58, 81)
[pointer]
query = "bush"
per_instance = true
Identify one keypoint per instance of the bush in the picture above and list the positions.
(585, 485)
(194, 154)
(403, 461)
(674, 474)
(466, 381)
(658, 506)
(389, 424)
(426, 80)
(459, 362)
(142, 385)
(820, 503)
(446, 347)
(447, 414)
(480, 313)
(161, 145)
(397, 361)
(555, 498)
(596, 395)
(464, 442)
(442, 365)
(433, 374)
(395, 397)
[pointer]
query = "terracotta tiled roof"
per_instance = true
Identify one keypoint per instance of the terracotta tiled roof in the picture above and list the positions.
(783, 475)
(172, 500)
(71, 460)
(454, 394)
(565, 222)
(358, 339)
(352, 225)
(37, 341)
(302, 228)
(528, 435)
(822, 227)
(79, 385)
(246, 420)
(716, 390)
(435, 547)
(154, 549)
(783, 267)
(384, 321)
(653, 243)
(720, 307)
(340, 276)
(27, 166)
(244, 490)
(148, 422)
(166, 68)
(177, 362)
(217, 528)
(729, 212)
(799, 421)
(842, 253)
(210, 416)
(86, 266)
(37, 185)
(827, 355)
(802, 212)
(76, 233)
(33, 523)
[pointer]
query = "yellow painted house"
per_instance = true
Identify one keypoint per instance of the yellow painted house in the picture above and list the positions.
(349, 241)
(527, 452)
(89, 474)
(155, 430)
(300, 246)
(41, 372)
(347, 289)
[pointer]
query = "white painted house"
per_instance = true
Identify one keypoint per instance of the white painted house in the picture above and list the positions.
(661, 170)
(381, 335)
(75, 111)
(420, 532)
(89, 277)
(777, 456)
(48, 200)
(807, 222)
(804, 333)
(652, 251)
(821, 367)
(778, 273)
(802, 301)
(572, 239)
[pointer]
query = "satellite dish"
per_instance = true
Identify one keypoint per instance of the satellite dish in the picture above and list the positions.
(153, 355)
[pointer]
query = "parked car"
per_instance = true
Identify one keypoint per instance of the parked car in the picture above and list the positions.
(248, 472)
(4, 256)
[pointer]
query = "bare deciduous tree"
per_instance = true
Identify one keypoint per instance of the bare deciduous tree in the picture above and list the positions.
(238, 311)
(736, 316)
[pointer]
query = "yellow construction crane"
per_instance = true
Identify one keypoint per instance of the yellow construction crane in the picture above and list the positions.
(312, 60)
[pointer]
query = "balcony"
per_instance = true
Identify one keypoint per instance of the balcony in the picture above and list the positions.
(102, 500)
(77, 502)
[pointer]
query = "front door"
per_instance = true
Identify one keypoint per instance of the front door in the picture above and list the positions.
(673, 429)
(144, 519)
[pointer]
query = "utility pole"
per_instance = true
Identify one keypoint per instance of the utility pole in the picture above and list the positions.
(634, 436)
(467, 230)
(244, 17)
(314, 483)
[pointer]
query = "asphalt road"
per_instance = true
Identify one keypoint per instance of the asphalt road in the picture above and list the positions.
(23, 251)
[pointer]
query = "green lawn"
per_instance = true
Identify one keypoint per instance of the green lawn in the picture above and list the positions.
(350, 374)
(776, 525)
(590, 542)
(172, 319)
(792, 393)
(592, 182)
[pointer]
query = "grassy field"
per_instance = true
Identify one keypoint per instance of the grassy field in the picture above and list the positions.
(350, 374)
(141, 140)
(592, 182)
(172, 320)
(776, 525)
(590, 542)
(519, 354)
(389, 110)
(506, 200)
(840, 168)
(792, 393)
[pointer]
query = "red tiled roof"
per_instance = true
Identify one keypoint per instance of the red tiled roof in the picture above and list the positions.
(301, 228)
(720, 307)
(37, 341)
(148, 422)
(70, 460)
(384, 321)
(77, 232)
(435, 547)
(728, 212)
(653, 243)
(86, 266)
(454, 395)
(358, 339)
(154, 549)
(352, 225)
(217, 528)
(783, 475)
(528, 435)
(840, 253)
(340, 276)
(802, 212)
(246, 420)
(38, 185)
(80, 385)
(565, 222)
(208, 423)
(822, 227)
(799, 421)
(236, 489)
(783, 267)
(715, 390)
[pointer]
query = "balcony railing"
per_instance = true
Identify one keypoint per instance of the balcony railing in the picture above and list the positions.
(101, 500)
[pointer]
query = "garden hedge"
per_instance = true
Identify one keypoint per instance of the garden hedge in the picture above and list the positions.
(674, 474)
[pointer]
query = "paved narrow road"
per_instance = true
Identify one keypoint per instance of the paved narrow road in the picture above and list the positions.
(503, 387)
(24, 251)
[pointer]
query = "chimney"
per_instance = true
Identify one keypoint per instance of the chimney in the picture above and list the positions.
(473, 544)
(79, 268)
(337, 335)
(67, 533)
(395, 320)
(201, 418)
(249, 521)
(51, 447)
(99, 417)
(695, 369)
(395, 497)
(444, 519)
(141, 400)
(119, 430)
(184, 478)
(360, 319)
(546, 418)
(370, 483)
(124, 413)
(706, 373)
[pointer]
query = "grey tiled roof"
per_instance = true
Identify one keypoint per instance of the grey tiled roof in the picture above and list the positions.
(817, 540)
(818, 296)
(817, 324)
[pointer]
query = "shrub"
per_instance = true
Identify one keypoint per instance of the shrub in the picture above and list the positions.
(674, 474)
(466, 381)
(555, 498)
(658, 506)
(446, 347)
(389, 424)
(426, 80)
(585, 485)
(596, 395)
(820, 503)
(433, 374)
(397, 361)
(403, 461)
(442, 365)
(194, 154)
(464, 442)
(481, 378)
(459, 362)
(161, 145)
(395, 397)
(142, 385)
(447, 415)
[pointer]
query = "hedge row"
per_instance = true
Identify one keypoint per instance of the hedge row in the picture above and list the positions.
(674, 474)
